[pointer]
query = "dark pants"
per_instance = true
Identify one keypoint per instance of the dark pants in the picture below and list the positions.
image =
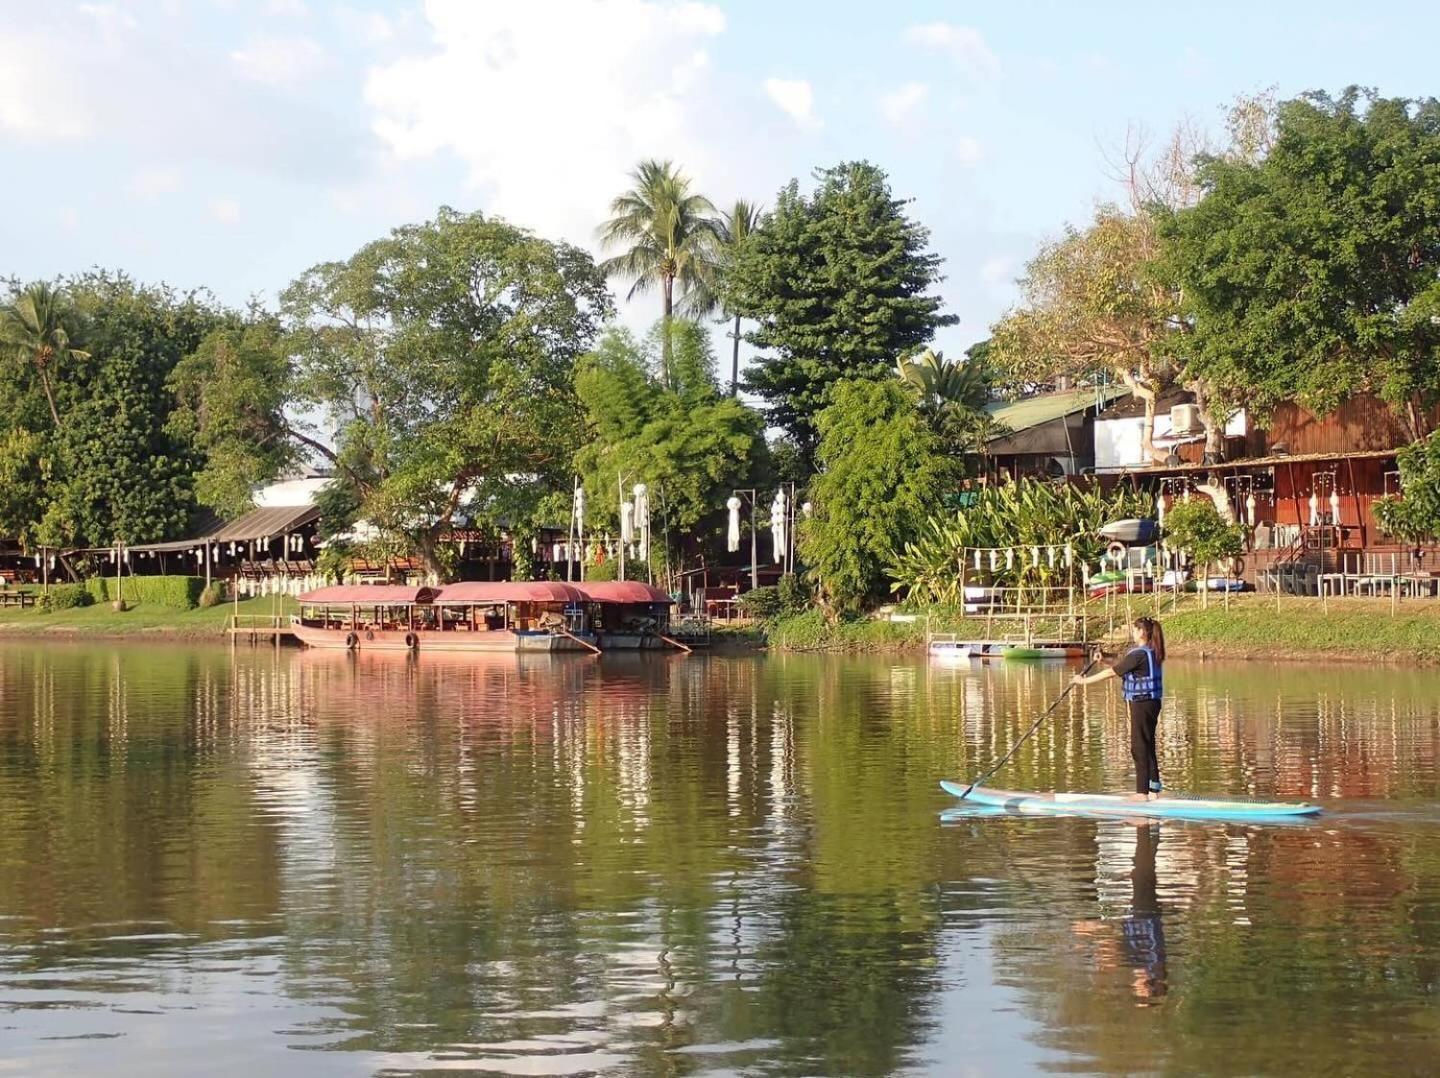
(1144, 715)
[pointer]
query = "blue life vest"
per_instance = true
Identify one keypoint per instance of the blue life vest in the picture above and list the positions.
(1146, 686)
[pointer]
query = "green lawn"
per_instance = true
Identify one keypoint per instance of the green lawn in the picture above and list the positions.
(1252, 625)
(101, 620)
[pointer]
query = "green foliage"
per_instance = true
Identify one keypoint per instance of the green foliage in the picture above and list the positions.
(1414, 517)
(1197, 528)
(230, 399)
(609, 569)
(1313, 272)
(771, 602)
(212, 595)
(840, 284)
(795, 596)
(762, 604)
(668, 233)
(39, 330)
(24, 484)
(175, 592)
(444, 353)
(952, 396)
(111, 468)
(1024, 515)
(66, 597)
(689, 444)
(884, 472)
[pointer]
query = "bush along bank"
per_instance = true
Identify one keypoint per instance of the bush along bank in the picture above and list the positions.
(175, 592)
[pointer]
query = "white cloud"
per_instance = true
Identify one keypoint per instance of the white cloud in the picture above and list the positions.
(155, 181)
(548, 113)
(287, 9)
(280, 61)
(225, 210)
(368, 27)
(898, 105)
(69, 219)
(964, 44)
(795, 98)
(969, 150)
(150, 88)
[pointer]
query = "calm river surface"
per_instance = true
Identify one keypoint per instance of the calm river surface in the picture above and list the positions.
(297, 863)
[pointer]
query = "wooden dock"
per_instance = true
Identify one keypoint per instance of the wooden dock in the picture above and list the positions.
(257, 627)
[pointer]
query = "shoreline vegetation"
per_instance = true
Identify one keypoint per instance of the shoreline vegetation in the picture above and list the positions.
(1252, 627)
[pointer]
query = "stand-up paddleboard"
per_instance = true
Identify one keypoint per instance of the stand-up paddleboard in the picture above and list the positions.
(1178, 808)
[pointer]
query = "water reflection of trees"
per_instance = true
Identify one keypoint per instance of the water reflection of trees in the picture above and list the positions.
(507, 854)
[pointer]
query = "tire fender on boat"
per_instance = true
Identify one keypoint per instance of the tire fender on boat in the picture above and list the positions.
(412, 641)
(352, 641)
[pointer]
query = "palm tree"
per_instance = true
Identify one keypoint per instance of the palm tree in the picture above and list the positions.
(669, 235)
(953, 395)
(735, 228)
(36, 329)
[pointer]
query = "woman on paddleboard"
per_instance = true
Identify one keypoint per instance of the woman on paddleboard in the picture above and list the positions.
(1141, 674)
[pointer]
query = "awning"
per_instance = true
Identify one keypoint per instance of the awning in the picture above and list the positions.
(368, 595)
(510, 591)
(254, 526)
(623, 591)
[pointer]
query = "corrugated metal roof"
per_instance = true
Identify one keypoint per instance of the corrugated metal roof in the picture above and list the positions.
(262, 523)
(1030, 412)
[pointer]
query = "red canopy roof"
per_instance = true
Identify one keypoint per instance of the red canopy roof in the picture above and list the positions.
(623, 591)
(510, 591)
(369, 595)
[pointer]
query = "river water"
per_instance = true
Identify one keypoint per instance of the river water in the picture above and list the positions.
(268, 862)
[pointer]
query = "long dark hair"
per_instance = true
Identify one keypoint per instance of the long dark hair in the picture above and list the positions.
(1154, 636)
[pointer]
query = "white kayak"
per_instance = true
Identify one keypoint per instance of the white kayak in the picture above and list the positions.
(1178, 808)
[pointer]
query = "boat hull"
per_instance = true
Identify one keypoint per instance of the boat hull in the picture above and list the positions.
(1176, 808)
(501, 640)
(1043, 653)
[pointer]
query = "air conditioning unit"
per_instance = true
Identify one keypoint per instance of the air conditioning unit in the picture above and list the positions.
(1185, 419)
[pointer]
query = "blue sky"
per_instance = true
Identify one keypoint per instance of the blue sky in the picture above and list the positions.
(233, 143)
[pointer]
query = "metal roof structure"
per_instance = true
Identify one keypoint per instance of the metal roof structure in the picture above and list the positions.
(1027, 412)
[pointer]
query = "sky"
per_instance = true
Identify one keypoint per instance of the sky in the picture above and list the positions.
(232, 144)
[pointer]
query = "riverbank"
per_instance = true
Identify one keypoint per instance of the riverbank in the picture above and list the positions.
(1252, 627)
(145, 620)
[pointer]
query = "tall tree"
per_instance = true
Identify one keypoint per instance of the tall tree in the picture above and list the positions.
(668, 235)
(1312, 271)
(38, 331)
(443, 357)
(839, 282)
(736, 227)
(231, 393)
(884, 473)
(1092, 307)
(952, 396)
(687, 441)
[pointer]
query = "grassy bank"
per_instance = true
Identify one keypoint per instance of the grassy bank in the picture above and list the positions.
(1251, 627)
(138, 619)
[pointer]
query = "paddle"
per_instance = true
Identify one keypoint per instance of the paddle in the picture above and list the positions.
(1033, 727)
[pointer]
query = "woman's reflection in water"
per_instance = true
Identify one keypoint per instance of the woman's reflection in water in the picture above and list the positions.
(1135, 942)
(1144, 933)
